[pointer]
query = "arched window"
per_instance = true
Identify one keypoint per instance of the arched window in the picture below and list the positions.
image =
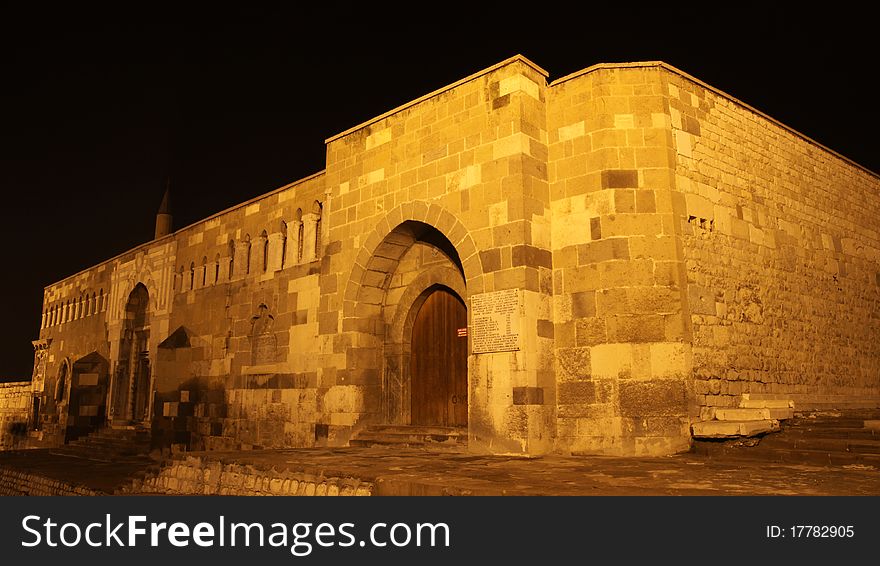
(103, 299)
(231, 257)
(299, 236)
(247, 269)
(217, 269)
(192, 275)
(88, 310)
(264, 243)
(204, 270)
(182, 280)
(283, 243)
(316, 209)
(61, 382)
(94, 304)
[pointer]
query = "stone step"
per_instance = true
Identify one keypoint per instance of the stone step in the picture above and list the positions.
(754, 414)
(378, 438)
(790, 456)
(818, 423)
(417, 429)
(89, 440)
(433, 436)
(765, 397)
(730, 428)
(747, 403)
(823, 444)
(806, 432)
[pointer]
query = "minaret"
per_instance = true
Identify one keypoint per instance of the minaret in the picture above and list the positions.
(163, 217)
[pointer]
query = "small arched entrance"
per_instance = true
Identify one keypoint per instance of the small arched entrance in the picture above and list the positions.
(438, 362)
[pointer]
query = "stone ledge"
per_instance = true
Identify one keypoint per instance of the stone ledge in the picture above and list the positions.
(730, 429)
(752, 414)
(747, 403)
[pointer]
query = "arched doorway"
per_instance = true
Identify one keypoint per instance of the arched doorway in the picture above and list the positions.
(131, 390)
(438, 363)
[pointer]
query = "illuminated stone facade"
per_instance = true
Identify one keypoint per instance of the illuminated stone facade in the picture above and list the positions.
(667, 249)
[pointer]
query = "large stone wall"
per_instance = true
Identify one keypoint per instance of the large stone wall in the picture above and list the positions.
(239, 364)
(782, 244)
(621, 328)
(15, 404)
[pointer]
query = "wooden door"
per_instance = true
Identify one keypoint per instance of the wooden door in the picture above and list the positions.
(439, 362)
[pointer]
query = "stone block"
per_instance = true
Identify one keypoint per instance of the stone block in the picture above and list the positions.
(328, 322)
(528, 396)
(590, 331)
(583, 304)
(530, 256)
(635, 328)
(731, 429)
(620, 179)
(603, 250)
(645, 202)
(576, 393)
(746, 414)
(659, 397)
(747, 403)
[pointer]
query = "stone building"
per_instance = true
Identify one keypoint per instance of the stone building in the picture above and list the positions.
(590, 265)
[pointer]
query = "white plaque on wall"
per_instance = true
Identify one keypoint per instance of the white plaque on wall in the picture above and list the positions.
(495, 320)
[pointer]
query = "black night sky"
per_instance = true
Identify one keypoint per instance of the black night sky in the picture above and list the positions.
(100, 106)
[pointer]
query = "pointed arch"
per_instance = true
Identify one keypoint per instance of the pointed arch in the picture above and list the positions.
(317, 209)
(283, 229)
(299, 235)
(382, 366)
(247, 240)
(264, 250)
(132, 376)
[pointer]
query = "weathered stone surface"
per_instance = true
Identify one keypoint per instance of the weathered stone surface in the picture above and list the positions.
(730, 429)
(746, 414)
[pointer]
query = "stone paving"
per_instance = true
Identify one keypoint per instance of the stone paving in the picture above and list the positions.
(424, 472)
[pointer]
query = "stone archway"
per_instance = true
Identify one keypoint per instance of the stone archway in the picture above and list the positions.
(379, 297)
(131, 380)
